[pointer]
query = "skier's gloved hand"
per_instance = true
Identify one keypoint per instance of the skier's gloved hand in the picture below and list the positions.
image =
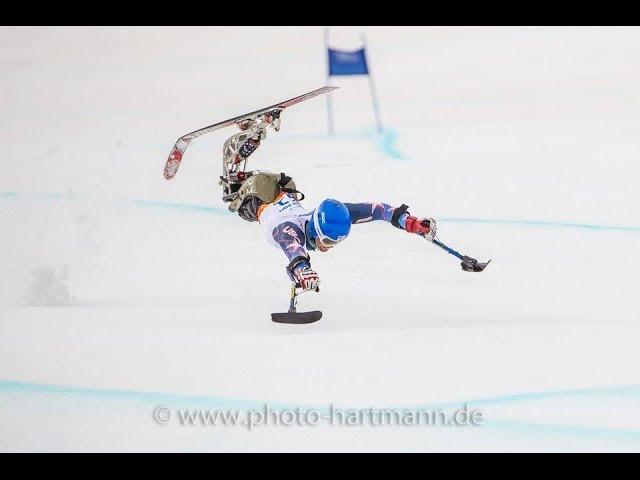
(306, 278)
(425, 227)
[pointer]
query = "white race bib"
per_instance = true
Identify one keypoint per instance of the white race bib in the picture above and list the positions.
(284, 209)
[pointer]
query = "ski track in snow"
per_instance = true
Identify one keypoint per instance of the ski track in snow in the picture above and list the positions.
(623, 436)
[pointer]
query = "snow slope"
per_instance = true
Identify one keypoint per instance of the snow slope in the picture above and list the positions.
(120, 291)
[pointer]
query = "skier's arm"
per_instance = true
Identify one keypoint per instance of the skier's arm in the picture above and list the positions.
(398, 217)
(369, 212)
(291, 239)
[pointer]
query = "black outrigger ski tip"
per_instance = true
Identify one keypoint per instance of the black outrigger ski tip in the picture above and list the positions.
(297, 318)
(294, 317)
(472, 265)
(468, 264)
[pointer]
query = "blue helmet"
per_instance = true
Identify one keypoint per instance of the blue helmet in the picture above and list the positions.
(331, 222)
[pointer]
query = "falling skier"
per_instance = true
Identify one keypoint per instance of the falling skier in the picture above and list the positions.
(273, 201)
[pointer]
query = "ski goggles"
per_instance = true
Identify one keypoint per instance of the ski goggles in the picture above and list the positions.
(320, 239)
(326, 241)
(324, 246)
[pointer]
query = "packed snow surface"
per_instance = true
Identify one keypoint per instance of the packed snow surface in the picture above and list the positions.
(121, 292)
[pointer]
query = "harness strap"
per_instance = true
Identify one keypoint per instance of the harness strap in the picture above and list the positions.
(284, 180)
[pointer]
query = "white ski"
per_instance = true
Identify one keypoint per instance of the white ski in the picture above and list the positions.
(175, 157)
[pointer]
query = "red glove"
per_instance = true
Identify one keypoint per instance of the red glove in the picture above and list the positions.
(307, 279)
(421, 226)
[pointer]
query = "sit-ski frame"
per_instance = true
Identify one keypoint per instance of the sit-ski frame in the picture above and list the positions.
(238, 147)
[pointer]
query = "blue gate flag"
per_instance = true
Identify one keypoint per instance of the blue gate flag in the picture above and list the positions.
(343, 62)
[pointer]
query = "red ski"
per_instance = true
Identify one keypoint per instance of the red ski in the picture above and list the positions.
(173, 162)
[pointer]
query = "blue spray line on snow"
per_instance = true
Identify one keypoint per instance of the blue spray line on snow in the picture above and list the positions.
(221, 210)
(540, 223)
(11, 387)
(31, 196)
(387, 144)
(179, 206)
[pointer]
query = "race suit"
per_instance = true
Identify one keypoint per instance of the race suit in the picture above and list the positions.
(283, 222)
